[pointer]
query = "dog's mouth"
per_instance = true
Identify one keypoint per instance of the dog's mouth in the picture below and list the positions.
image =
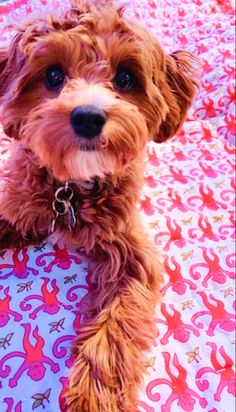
(88, 147)
(96, 143)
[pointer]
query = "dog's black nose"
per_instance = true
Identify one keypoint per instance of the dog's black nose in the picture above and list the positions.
(88, 121)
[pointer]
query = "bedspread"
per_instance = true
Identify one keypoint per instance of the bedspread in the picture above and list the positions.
(187, 206)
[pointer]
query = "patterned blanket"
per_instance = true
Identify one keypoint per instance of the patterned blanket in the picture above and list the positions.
(188, 207)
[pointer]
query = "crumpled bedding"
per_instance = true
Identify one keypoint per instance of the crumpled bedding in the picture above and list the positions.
(187, 205)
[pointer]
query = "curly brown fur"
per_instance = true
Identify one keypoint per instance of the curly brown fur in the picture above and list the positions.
(91, 44)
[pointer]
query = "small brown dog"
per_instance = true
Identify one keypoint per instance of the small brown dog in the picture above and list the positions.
(82, 95)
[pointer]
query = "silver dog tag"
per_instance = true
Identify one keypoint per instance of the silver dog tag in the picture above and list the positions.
(62, 205)
(72, 217)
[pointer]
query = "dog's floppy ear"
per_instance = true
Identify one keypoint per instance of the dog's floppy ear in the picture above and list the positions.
(3, 65)
(178, 89)
(10, 63)
(3, 59)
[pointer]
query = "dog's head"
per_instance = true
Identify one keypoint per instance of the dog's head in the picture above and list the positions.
(86, 92)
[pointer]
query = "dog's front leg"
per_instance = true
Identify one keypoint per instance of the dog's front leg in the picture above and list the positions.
(109, 360)
(10, 237)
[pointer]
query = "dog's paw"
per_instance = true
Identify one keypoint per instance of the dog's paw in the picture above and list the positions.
(87, 392)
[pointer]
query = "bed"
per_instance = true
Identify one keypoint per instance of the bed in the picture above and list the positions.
(187, 206)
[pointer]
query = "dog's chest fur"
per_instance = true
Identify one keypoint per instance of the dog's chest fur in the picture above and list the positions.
(101, 212)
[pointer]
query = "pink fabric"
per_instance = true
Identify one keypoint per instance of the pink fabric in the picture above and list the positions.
(187, 206)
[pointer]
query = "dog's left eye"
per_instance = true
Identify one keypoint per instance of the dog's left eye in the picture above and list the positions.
(55, 78)
(124, 80)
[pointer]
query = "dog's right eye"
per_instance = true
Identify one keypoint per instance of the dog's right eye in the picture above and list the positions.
(55, 77)
(124, 80)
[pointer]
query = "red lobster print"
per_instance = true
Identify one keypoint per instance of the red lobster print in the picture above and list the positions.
(60, 351)
(208, 86)
(205, 227)
(230, 260)
(62, 395)
(205, 170)
(224, 370)
(207, 110)
(228, 129)
(33, 356)
(228, 195)
(180, 391)
(207, 133)
(227, 100)
(176, 280)
(175, 235)
(229, 73)
(201, 48)
(219, 316)
(229, 148)
(199, 154)
(207, 68)
(61, 259)
(50, 303)
(175, 200)
(206, 198)
(150, 181)
(80, 298)
(214, 270)
(5, 311)
(19, 267)
(152, 157)
(175, 325)
(179, 154)
(176, 175)
(182, 38)
(225, 55)
(10, 404)
(147, 207)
